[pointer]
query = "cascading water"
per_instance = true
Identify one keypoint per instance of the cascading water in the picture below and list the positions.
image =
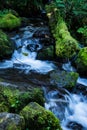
(24, 57)
(70, 108)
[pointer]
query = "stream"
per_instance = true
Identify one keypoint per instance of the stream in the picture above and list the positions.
(69, 107)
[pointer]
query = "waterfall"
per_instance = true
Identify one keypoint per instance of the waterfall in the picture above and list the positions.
(24, 57)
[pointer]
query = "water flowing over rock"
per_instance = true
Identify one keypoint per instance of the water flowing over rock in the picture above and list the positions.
(24, 77)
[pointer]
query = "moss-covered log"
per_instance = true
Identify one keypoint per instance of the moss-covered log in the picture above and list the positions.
(65, 45)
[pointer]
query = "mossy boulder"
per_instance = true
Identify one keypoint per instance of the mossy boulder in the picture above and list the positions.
(9, 21)
(9, 121)
(81, 61)
(13, 100)
(46, 53)
(6, 46)
(63, 79)
(37, 118)
(65, 45)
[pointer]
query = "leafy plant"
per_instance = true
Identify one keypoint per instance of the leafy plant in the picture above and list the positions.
(73, 10)
(5, 11)
(83, 30)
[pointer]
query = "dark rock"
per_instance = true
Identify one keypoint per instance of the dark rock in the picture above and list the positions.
(9, 121)
(74, 126)
(46, 54)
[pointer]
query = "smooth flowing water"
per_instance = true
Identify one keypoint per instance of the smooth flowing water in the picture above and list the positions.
(70, 108)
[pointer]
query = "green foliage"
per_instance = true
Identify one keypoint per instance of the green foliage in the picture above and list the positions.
(74, 12)
(83, 30)
(72, 7)
(13, 100)
(23, 6)
(6, 11)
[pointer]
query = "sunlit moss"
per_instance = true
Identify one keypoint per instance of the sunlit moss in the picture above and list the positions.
(37, 118)
(9, 21)
(65, 45)
(81, 61)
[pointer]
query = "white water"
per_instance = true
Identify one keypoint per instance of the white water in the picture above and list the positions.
(82, 81)
(25, 59)
(68, 67)
(76, 111)
(69, 108)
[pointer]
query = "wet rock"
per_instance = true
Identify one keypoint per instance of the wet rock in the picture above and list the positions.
(74, 126)
(36, 117)
(63, 79)
(42, 33)
(33, 47)
(9, 121)
(46, 54)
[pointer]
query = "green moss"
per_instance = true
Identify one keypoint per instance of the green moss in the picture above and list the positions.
(81, 61)
(9, 21)
(3, 107)
(12, 126)
(6, 46)
(64, 79)
(13, 100)
(66, 46)
(47, 53)
(36, 117)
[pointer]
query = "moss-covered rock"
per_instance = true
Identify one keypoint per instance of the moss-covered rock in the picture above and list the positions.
(9, 121)
(66, 46)
(13, 100)
(63, 79)
(37, 118)
(47, 53)
(81, 61)
(9, 21)
(6, 46)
